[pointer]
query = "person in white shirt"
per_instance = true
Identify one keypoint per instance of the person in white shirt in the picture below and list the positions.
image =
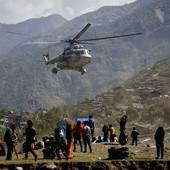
(86, 137)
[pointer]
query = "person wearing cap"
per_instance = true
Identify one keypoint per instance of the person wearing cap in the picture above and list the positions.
(9, 138)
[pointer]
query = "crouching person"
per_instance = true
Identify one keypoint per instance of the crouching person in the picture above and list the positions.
(59, 144)
(48, 151)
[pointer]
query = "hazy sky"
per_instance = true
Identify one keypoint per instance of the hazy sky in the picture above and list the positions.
(14, 11)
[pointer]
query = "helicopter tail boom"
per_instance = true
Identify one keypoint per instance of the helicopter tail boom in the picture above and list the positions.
(46, 58)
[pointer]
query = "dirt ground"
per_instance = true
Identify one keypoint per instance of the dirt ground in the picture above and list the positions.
(89, 161)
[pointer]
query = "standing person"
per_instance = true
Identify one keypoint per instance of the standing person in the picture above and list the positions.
(112, 133)
(105, 131)
(9, 138)
(123, 121)
(134, 136)
(78, 135)
(70, 140)
(159, 138)
(91, 125)
(87, 134)
(123, 137)
(30, 134)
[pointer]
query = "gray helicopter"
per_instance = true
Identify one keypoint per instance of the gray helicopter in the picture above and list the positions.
(75, 56)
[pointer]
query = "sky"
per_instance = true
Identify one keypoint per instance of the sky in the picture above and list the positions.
(15, 11)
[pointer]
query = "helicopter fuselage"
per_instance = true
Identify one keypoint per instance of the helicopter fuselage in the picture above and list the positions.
(74, 59)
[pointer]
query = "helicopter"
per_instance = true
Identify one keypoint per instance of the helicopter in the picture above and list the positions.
(75, 56)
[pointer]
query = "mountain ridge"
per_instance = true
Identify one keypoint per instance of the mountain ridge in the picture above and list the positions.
(32, 87)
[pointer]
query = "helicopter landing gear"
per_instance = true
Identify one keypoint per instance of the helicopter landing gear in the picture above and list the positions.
(54, 70)
(82, 70)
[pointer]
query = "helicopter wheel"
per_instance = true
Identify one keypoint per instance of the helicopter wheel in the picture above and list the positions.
(54, 70)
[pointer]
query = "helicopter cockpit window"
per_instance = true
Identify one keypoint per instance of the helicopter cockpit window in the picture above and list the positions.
(82, 52)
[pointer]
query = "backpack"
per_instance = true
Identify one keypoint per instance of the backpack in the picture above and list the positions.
(90, 123)
(118, 153)
(48, 154)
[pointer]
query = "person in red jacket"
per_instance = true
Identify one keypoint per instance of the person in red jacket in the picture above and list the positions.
(78, 135)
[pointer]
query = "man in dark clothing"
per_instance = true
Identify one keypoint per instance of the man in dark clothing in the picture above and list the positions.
(134, 135)
(90, 123)
(9, 138)
(30, 139)
(123, 137)
(159, 138)
(123, 121)
(105, 131)
(59, 144)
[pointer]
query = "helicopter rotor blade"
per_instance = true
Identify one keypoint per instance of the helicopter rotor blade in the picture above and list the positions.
(17, 33)
(82, 42)
(119, 36)
(81, 32)
(71, 41)
(43, 43)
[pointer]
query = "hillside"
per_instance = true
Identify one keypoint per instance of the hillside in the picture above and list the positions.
(28, 85)
(145, 99)
(32, 28)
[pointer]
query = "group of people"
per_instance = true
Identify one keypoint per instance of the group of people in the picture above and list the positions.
(66, 139)
(123, 136)
(82, 133)
(109, 133)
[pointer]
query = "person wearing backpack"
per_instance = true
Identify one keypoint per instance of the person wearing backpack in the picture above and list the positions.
(59, 144)
(9, 138)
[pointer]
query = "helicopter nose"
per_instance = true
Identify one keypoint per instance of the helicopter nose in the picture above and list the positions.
(88, 59)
